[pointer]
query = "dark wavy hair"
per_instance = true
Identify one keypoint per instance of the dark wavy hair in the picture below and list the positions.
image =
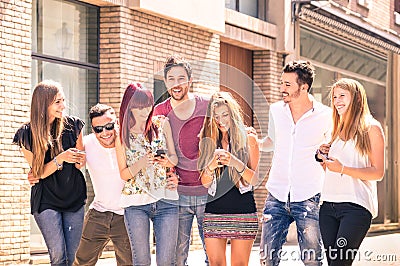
(99, 110)
(175, 60)
(304, 70)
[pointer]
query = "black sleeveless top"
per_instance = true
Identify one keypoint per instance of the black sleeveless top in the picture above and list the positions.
(228, 199)
(64, 190)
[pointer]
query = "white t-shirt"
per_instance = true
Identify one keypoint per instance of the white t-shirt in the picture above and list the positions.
(104, 173)
(345, 188)
(294, 169)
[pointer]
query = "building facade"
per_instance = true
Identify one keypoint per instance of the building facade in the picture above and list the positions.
(95, 48)
(358, 39)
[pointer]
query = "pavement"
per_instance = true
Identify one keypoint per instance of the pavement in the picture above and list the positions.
(379, 250)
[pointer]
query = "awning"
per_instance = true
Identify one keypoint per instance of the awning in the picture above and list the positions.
(348, 31)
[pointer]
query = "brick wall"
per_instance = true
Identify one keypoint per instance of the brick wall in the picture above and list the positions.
(380, 15)
(134, 45)
(15, 77)
(267, 68)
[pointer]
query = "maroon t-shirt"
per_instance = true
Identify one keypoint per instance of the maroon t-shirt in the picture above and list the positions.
(186, 139)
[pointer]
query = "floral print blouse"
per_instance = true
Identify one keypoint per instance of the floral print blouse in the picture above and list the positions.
(152, 178)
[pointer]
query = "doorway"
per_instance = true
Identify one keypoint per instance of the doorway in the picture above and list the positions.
(236, 77)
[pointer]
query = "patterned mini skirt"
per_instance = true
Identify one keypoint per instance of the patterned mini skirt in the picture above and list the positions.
(232, 226)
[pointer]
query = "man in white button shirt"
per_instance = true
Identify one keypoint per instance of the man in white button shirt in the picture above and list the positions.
(298, 125)
(105, 220)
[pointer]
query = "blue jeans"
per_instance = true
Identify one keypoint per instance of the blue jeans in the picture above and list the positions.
(189, 206)
(277, 217)
(62, 232)
(343, 228)
(164, 215)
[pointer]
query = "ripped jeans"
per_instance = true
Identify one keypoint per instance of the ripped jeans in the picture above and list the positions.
(277, 216)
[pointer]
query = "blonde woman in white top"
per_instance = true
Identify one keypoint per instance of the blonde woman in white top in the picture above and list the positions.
(354, 162)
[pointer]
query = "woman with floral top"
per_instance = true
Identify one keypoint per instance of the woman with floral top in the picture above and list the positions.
(150, 191)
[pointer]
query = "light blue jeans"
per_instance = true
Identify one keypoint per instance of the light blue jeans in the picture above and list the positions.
(164, 215)
(277, 216)
(62, 232)
(189, 206)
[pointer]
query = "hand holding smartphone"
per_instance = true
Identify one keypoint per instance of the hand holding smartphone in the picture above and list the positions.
(219, 153)
(80, 156)
(160, 153)
(324, 155)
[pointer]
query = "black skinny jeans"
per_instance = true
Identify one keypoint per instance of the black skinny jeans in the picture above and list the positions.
(343, 227)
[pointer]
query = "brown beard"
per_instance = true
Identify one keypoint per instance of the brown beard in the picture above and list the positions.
(178, 98)
(296, 94)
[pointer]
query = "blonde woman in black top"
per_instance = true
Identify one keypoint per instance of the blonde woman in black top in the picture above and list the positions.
(228, 161)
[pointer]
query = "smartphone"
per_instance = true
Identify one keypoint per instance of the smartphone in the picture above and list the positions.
(160, 153)
(80, 152)
(219, 152)
(325, 156)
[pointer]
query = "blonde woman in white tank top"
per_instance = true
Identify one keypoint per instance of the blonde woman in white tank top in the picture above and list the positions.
(354, 162)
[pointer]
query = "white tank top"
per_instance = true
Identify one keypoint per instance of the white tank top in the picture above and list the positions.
(345, 188)
(104, 173)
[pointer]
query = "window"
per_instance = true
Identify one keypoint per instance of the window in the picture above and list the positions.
(160, 91)
(365, 3)
(248, 7)
(65, 49)
(333, 59)
(397, 12)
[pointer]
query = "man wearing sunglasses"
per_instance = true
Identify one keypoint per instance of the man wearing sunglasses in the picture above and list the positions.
(104, 221)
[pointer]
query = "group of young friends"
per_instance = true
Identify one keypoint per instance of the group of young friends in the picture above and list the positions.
(191, 156)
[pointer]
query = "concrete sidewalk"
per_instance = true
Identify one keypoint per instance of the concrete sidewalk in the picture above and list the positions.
(375, 251)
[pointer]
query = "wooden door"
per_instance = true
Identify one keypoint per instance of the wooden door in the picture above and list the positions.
(236, 77)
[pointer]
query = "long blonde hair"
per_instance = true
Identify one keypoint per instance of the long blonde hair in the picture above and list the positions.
(356, 121)
(210, 135)
(44, 135)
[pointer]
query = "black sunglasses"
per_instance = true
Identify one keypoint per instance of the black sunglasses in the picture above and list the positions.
(99, 129)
